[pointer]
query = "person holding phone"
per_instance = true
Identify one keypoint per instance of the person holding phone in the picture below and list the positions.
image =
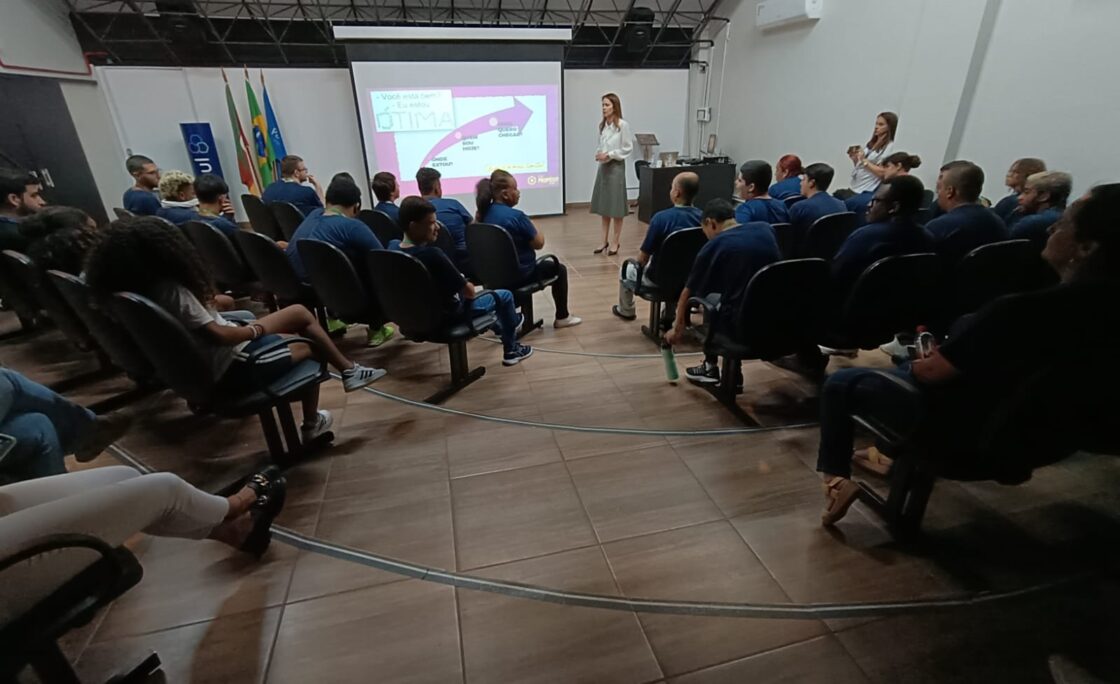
(608, 199)
(868, 168)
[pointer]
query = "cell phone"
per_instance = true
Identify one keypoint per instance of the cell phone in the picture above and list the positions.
(925, 345)
(852, 149)
(7, 443)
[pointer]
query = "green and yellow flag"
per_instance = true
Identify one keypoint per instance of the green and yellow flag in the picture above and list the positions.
(266, 159)
(245, 166)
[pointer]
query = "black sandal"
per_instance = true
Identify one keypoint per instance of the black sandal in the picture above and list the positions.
(263, 511)
(600, 250)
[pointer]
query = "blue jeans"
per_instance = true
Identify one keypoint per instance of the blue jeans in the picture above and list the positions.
(501, 303)
(46, 426)
(851, 391)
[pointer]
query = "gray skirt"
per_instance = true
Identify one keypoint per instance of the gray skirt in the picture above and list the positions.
(609, 196)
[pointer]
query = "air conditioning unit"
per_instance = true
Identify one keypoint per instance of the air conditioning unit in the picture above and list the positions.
(774, 13)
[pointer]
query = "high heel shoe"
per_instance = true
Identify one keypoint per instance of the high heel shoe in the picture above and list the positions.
(614, 251)
(601, 249)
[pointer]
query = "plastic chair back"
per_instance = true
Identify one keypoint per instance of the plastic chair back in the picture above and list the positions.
(823, 239)
(998, 269)
(229, 269)
(792, 200)
(261, 217)
(19, 284)
(122, 213)
(177, 357)
(670, 266)
(446, 242)
(493, 256)
(271, 266)
(287, 216)
(407, 293)
(109, 336)
(893, 294)
(24, 272)
(784, 307)
(788, 239)
(335, 281)
(382, 225)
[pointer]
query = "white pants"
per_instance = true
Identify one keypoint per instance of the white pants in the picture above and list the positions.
(110, 503)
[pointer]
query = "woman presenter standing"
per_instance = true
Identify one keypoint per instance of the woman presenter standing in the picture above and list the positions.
(608, 199)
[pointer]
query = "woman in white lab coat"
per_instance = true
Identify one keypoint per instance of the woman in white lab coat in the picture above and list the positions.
(608, 199)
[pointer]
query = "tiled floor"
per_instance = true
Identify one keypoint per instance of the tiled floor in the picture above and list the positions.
(687, 517)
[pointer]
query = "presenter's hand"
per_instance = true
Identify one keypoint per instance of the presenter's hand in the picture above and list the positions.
(601, 156)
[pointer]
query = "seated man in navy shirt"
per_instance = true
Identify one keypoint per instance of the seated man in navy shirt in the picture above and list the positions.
(386, 189)
(142, 199)
(450, 212)
(1007, 209)
(752, 184)
(496, 198)
(213, 204)
(966, 224)
(178, 203)
(1041, 203)
(418, 218)
(20, 197)
(663, 224)
(290, 188)
(891, 231)
(722, 269)
(337, 226)
(815, 181)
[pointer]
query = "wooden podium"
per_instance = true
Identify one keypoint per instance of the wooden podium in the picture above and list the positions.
(716, 180)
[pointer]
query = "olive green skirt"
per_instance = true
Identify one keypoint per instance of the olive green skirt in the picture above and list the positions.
(609, 196)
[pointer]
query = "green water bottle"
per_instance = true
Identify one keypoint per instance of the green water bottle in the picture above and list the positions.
(671, 373)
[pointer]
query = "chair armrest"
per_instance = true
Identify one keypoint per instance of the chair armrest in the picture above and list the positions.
(59, 542)
(709, 312)
(901, 392)
(639, 267)
(541, 260)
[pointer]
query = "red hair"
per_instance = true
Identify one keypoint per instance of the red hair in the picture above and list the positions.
(790, 165)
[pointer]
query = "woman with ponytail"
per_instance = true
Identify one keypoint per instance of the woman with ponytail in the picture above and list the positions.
(495, 199)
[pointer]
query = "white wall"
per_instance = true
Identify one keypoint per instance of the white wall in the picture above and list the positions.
(37, 39)
(1050, 89)
(314, 107)
(653, 101)
(94, 124)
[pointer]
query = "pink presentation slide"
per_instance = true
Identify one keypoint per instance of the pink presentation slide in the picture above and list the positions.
(467, 132)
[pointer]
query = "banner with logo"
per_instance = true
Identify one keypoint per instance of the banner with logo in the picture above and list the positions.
(201, 148)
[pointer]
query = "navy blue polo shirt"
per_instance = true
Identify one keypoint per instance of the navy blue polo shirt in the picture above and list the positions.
(448, 280)
(1006, 206)
(806, 212)
(454, 217)
(350, 235)
(785, 188)
(768, 210)
(1036, 227)
(178, 215)
(141, 202)
(302, 196)
(520, 228)
(875, 241)
(858, 205)
(10, 235)
(963, 229)
(666, 222)
(728, 262)
(389, 208)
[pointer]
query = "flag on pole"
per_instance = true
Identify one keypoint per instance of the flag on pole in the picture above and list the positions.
(244, 166)
(274, 137)
(261, 142)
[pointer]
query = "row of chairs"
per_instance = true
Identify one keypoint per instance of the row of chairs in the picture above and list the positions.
(279, 220)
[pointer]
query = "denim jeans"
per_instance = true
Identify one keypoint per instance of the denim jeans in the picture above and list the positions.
(46, 426)
(501, 303)
(850, 391)
(625, 296)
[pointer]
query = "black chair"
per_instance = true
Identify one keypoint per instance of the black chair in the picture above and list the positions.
(288, 218)
(788, 239)
(261, 218)
(792, 200)
(1028, 430)
(23, 271)
(338, 285)
(783, 311)
(225, 261)
(893, 294)
(276, 275)
(822, 240)
(382, 225)
(668, 269)
(122, 213)
(922, 217)
(927, 198)
(31, 638)
(186, 369)
(998, 269)
(494, 260)
(17, 288)
(446, 242)
(409, 296)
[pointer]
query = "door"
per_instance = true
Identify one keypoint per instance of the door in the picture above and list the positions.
(38, 135)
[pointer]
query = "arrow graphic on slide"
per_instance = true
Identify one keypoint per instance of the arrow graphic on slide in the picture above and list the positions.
(517, 115)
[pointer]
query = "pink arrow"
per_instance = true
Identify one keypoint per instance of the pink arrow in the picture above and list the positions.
(516, 116)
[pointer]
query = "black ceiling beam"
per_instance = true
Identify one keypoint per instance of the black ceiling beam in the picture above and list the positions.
(621, 27)
(151, 27)
(664, 25)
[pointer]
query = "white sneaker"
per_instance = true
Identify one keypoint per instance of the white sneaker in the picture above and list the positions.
(567, 322)
(359, 376)
(895, 349)
(323, 422)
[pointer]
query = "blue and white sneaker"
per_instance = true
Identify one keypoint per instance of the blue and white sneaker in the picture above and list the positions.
(516, 355)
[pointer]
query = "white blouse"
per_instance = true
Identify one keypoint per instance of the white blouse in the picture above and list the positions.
(862, 179)
(616, 141)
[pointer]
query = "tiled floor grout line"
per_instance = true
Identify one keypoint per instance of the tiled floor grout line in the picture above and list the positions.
(455, 560)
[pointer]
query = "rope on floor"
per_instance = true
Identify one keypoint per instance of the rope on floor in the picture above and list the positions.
(601, 355)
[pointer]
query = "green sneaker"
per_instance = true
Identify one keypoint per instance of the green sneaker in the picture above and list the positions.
(376, 338)
(335, 327)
